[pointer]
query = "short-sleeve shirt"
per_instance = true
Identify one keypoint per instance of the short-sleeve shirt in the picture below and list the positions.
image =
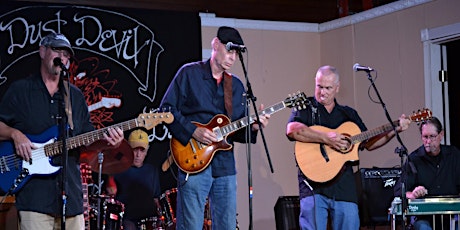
(28, 107)
(343, 186)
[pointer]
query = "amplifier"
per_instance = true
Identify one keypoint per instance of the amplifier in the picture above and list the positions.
(287, 211)
(377, 186)
(381, 173)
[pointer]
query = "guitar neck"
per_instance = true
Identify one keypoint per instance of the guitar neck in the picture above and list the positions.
(245, 121)
(86, 206)
(87, 138)
(374, 132)
(95, 106)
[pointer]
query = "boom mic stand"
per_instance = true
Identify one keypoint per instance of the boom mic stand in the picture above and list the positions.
(402, 150)
(250, 96)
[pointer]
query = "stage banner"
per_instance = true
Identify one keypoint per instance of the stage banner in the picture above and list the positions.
(124, 59)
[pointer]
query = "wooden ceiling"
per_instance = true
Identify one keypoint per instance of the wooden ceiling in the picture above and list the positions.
(312, 11)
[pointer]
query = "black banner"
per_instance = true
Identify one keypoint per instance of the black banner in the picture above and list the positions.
(124, 58)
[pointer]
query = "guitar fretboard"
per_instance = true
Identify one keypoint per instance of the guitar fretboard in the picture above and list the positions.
(417, 117)
(372, 133)
(87, 138)
(243, 122)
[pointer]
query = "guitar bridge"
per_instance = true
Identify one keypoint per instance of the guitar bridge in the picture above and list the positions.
(4, 165)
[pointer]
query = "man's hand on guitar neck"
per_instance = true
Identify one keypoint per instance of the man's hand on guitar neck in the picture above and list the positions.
(380, 140)
(404, 123)
(114, 137)
(263, 120)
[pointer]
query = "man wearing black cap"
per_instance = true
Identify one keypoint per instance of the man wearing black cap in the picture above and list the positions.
(198, 92)
(33, 106)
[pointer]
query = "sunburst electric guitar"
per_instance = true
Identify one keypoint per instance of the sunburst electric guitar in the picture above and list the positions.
(14, 171)
(321, 163)
(196, 156)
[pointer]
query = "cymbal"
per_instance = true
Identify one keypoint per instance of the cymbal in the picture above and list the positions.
(114, 161)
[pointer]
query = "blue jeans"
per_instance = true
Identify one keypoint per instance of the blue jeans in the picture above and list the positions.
(191, 200)
(422, 225)
(307, 213)
(315, 210)
(425, 224)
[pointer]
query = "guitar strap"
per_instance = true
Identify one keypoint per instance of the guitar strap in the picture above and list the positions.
(68, 105)
(228, 94)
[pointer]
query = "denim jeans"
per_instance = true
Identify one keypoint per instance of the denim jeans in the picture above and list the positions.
(191, 200)
(307, 213)
(315, 212)
(422, 225)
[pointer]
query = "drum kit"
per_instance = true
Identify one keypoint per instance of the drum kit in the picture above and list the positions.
(103, 212)
(106, 213)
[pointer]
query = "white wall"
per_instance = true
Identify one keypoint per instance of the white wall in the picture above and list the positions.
(282, 58)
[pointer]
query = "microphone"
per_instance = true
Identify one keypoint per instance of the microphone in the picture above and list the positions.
(230, 46)
(58, 62)
(357, 67)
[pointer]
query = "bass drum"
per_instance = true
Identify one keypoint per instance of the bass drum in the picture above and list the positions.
(151, 223)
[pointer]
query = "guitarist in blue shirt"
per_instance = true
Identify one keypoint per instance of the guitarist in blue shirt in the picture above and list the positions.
(196, 94)
(32, 106)
(338, 195)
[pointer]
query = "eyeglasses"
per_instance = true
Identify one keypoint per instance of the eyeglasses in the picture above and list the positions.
(430, 137)
(62, 51)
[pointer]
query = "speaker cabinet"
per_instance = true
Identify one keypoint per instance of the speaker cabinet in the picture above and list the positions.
(377, 186)
(287, 211)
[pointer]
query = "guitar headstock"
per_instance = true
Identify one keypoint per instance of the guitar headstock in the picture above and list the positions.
(109, 102)
(85, 170)
(421, 115)
(297, 101)
(150, 120)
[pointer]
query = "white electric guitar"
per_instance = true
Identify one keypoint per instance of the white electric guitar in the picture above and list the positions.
(105, 102)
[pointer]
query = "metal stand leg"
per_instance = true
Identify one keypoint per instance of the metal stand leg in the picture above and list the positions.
(100, 158)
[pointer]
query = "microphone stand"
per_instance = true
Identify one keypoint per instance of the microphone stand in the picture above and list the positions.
(402, 151)
(250, 96)
(63, 132)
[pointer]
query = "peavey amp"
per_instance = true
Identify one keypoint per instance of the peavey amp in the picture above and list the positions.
(377, 193)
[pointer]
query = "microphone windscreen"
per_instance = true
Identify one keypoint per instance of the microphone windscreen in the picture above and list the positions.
(57, 61)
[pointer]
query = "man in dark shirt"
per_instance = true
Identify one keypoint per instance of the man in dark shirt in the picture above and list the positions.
(336, 197)
(435, 170)
(33, 106)
(197, 93)
(138, 188)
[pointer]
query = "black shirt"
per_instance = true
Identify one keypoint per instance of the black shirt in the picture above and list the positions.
(343, 186)
(439, 175)
(28, 107)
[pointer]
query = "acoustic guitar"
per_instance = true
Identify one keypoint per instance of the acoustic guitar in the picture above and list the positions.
(321, 163)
